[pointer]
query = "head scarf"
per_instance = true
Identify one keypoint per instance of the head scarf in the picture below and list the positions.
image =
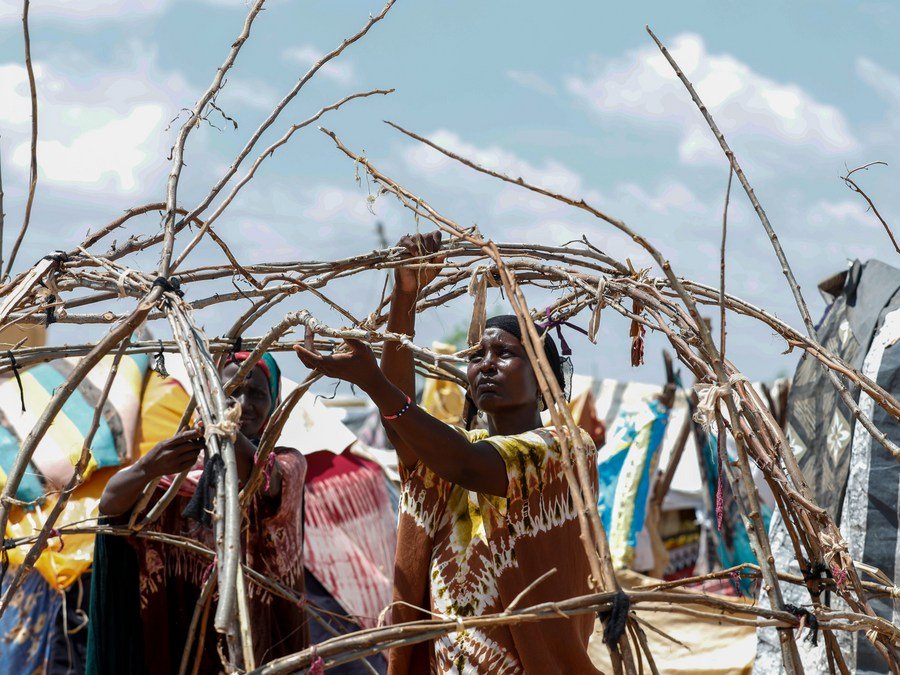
(270, 367)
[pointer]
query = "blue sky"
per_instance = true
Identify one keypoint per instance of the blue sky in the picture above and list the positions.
(576, 98)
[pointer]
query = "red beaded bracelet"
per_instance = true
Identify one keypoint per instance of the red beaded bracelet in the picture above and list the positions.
(401, 411)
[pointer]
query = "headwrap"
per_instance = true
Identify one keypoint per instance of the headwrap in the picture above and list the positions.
(200, 482)
(270, 367)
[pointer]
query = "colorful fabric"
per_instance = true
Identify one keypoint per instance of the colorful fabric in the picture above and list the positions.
(732, 541)
(53, 462)
(626, 466)
(64, 560)
(26, 626)
(351, 533)
(32, 632)
(851, 473)
(465, 554)
(43, 629)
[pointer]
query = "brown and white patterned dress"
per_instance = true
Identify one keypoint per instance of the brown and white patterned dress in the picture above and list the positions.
(464, 554)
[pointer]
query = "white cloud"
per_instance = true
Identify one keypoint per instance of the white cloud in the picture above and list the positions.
(319, 221)
(16, 109)
(883, 81)
(551, 174)
(91, 12)
(253, 94)
(521, 215)
(750, 108)
(88, 11)
(112, 151)
(104, 131)
(502, 199)
(843, 215)
(339, 71)
(532, 81)
(670, 196)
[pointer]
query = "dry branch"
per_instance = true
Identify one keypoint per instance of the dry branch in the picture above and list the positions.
(32, 167)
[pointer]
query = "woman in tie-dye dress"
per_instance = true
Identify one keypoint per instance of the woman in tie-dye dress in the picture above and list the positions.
(483, 513)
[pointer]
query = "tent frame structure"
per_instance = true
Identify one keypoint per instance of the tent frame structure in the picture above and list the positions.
(592, 280)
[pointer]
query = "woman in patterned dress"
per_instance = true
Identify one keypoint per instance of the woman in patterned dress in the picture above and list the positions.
(483, 513)
(145, 592)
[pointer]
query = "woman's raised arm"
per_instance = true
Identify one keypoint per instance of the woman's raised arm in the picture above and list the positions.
(449, 454)
(397, 362)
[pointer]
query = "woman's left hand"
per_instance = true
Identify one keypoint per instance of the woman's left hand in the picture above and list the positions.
(357, 366)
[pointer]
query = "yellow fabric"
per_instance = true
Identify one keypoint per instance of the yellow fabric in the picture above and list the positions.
(709, 645)
(162, 406)
(62, 562)
(442, 399)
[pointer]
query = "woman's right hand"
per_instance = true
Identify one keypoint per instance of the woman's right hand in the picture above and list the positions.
(174, 454)
(410, 279)
(170, 456)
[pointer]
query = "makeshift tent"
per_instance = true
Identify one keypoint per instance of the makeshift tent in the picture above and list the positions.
(852, 475)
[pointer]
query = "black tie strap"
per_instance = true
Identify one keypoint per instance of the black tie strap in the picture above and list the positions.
(812, 572)
(51, 310)
(58, 256)
(170, 285)
(807, 619)
(238, 346)
(160, 362)
(551, 323)
(615, 618)
(15, 369)
(200, 506)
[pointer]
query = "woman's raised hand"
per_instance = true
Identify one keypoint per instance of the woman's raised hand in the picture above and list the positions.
(175, 454)
(357, 365)
(410, 279)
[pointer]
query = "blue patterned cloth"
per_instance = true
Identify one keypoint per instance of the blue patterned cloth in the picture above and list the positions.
(28, 625)
(625, 465)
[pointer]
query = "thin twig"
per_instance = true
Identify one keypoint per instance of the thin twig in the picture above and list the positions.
(722, 264)
(853, 186)
(268, 152)
(33, 170)
(193, 121)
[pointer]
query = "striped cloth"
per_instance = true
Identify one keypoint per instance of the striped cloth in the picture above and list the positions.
(53, 463)
(351, 532)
